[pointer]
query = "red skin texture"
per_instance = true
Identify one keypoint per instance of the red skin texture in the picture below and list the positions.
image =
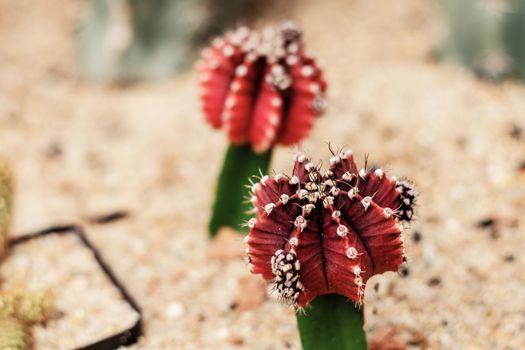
(253, 106)
(216, 80)
(368, 214)
(301, 115)
(266, 116)
(236, 117)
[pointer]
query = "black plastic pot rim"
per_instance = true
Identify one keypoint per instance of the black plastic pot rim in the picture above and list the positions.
(128, 336)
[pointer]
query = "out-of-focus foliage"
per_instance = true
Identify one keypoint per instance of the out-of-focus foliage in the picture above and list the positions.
(28, 308)
(513, 36)
(135, 39)
(13, 335)
(487, 36)
(6, 203)
(19, 310)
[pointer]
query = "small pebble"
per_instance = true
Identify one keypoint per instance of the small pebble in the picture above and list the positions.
(516, 132)
(235, 340)
(434, 282)
(404, 271)
(486, 223)
(174, 310)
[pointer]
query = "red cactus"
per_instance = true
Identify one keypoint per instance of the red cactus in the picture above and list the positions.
(261, 87)
(321, 233)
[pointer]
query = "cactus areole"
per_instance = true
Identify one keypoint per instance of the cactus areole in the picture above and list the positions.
(261, 87)
(327, 232)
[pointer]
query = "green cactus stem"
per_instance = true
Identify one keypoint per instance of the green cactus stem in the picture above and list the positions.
(332, 322)
(230, 207)
(6, 204)
(13, 335)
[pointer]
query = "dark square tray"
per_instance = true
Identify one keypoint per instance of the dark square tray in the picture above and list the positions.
(125, 338)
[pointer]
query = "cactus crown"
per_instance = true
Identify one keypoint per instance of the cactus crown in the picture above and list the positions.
(261, 87)
(327, 232)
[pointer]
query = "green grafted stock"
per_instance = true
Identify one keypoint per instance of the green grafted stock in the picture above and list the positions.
(332, 322)
(230, 206)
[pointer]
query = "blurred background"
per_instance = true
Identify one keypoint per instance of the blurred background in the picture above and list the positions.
(99, 111)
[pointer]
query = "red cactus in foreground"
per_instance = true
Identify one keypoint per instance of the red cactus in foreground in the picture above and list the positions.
(261, 87)
(327, 232)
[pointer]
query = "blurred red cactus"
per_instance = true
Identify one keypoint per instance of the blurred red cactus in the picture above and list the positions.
(327, 233)
(261, 87)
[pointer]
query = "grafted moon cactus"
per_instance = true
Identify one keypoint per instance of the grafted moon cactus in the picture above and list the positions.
(261, 87)
(327, 232)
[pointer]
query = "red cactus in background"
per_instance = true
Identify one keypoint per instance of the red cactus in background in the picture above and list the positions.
(261, 87)
(327, 232)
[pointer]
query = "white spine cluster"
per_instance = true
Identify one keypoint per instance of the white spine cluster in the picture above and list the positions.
(286, 269)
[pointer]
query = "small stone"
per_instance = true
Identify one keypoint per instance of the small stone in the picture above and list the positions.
(404, 271)
(434, 282)
(417, 237)
(174, 310)
(235, 340)
(486, 222)
(516, 132)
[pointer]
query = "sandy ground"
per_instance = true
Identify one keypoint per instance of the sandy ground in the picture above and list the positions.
(81, 149)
